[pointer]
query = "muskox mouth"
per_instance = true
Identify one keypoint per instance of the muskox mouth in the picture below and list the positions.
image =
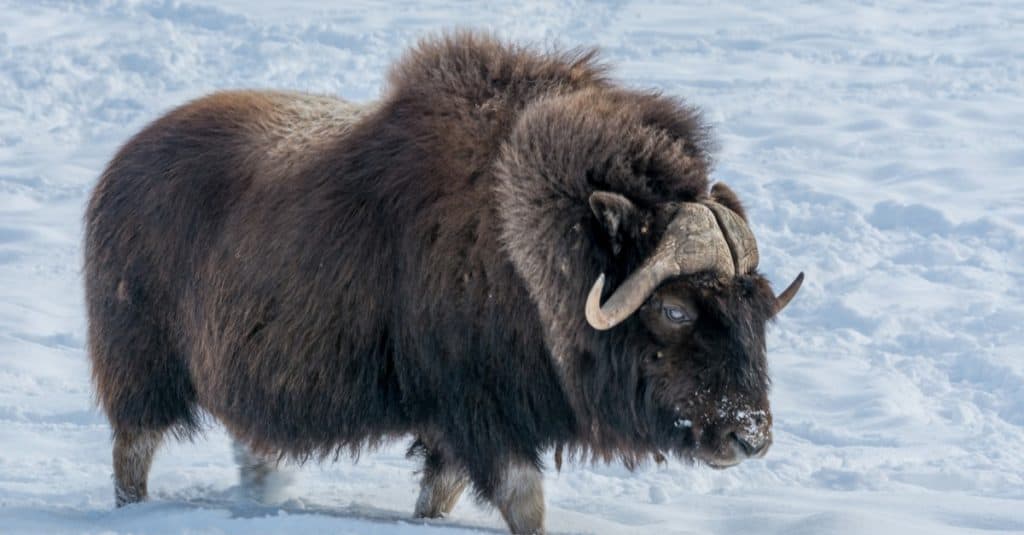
(722, 465)
(740, 451)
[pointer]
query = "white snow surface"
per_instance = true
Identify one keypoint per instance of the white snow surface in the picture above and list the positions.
(879, 147)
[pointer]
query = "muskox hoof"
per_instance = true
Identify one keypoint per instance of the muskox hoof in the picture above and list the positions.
(123, 497)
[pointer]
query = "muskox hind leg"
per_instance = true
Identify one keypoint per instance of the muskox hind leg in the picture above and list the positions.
(133, 456)
(142, 384)
(440, 487)
(259, 475)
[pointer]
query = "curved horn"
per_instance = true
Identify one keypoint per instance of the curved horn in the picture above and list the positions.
(737, 233)
(789, 293)
(693, 242)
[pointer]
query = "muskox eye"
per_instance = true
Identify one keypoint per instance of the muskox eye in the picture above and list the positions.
(676, 314)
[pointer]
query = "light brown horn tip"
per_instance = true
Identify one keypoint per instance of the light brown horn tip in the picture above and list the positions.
(595, 317)
(789, 293)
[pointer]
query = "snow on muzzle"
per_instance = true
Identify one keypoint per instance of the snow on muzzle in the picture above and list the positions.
(732, 437)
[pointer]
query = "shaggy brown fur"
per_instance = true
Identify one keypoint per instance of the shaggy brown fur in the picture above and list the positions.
(322, 276)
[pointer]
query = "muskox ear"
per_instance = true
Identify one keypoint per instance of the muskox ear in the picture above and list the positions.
(616, 214)
(725, 196)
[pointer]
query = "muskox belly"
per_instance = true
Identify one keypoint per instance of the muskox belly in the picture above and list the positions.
(302, 403)
(288, 366)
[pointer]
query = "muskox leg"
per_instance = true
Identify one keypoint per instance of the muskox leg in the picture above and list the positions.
(258, 474)
(519, 495)
(142, 384)
(441, 486)
(133, 456)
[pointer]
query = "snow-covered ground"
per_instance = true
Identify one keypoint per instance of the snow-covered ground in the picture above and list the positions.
(879, 147)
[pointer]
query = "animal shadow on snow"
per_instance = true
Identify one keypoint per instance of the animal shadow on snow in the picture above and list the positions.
(232, 500)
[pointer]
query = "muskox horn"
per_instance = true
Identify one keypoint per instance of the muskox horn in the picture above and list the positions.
(741, 240)
(789, 293)
(693, 242)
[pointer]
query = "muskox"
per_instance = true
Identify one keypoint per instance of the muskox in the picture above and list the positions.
(507, 253)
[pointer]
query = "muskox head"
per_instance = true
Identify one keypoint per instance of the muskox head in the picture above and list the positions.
(704, 309)
(645, 277)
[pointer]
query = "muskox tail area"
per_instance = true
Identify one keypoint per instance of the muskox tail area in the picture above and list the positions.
(141, 383)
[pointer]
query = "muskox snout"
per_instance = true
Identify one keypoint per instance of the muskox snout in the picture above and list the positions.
(755, 445)
(748, 437)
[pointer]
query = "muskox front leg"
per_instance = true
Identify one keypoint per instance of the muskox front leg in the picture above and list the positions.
(441, 486)
(519, 495)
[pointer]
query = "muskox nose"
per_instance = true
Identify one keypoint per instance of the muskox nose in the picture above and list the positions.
(751, 434)
(752, 444)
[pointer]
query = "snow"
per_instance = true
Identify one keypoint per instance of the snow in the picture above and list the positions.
(878, 146)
